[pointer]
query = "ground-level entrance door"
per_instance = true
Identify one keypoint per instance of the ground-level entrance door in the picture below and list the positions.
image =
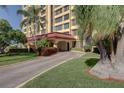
(62, 46)
(68, 47)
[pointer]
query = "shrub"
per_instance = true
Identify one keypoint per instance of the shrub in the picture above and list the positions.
(49, 51)
(13, 47)
(87, 48)
(42, 43)
(95, 50)
(18, 51)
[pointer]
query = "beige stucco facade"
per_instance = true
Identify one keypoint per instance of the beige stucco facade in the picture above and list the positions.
(59, 18)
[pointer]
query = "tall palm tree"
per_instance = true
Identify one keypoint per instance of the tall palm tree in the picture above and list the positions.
(83, 15)
(106, 30)
(32, 17)
(101, 20)
(105, 23)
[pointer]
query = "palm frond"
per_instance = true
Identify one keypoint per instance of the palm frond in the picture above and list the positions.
(43, 19)
(35, 10)
(25, 21)
(38, 10)
(23, 12)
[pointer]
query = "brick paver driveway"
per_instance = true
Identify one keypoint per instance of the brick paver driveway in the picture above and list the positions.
(13, 75)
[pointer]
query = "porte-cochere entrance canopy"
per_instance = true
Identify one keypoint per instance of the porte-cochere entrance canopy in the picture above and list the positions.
(62, 41)
(52, 36)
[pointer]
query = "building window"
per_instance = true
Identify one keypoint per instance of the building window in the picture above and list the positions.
(59, 27)
(42, 6)
(66, 25)
(66, 17)
(66, 8)
(58, 11)
(58, 19)
(43, 12)
(43, 18)
(73, 22)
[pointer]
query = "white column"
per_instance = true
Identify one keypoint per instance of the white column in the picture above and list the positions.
(55, 44)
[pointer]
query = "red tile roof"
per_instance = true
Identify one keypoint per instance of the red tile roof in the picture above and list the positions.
(52, 36)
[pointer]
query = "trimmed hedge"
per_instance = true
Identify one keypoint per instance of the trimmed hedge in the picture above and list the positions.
(19, 51)
(48, 51)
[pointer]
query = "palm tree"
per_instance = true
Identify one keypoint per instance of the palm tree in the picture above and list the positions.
(32, 18)
(83, 15)
(105, 23)
(101, 20)
(106, 30)
(109, 38)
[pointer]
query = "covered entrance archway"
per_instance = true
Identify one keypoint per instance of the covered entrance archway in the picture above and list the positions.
(64, 42)
(64, 45)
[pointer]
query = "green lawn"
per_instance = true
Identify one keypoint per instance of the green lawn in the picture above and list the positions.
(76, 49)
(6, 60)
(72, 74)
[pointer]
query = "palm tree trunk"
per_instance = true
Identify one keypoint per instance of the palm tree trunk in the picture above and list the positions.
(113, 49)
(115, 68)
(115, 43)
(103, 51)
(35, 41)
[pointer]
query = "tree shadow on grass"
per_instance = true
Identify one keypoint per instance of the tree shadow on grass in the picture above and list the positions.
(91, 62)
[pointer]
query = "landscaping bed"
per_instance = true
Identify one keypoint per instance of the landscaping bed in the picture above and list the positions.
(47, 51)
(73, 74)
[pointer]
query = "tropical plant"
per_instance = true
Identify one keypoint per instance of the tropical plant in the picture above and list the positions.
(43, 43)
(83, 15)
(8, 35)
(32, 17)
(105, 23)
(99, 23)
(107, 33)
(4, 29)
(16, 36)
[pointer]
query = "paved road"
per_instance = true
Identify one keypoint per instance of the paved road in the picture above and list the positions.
(13, 75)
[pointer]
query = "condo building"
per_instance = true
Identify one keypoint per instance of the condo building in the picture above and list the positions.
(59, 26)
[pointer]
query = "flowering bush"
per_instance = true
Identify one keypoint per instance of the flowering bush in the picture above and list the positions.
(49, 51)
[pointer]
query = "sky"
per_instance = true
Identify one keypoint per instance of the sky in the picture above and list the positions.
(10, 14)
